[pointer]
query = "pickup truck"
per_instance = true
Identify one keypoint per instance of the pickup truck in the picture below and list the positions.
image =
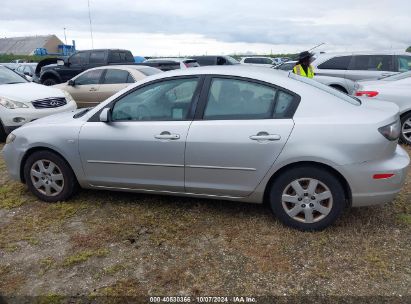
(51, 71)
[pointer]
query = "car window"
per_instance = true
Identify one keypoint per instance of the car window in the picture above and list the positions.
(206, 60)
(251, 60)
(404, 63)
(8, 77)
(336, 63)
(347, 98)
(20, 69)
(79, 58)
(115, 76)
(166, 100)
(372, 63)
(89, 77)
(97, 57)
(191, 63)
(240, 99)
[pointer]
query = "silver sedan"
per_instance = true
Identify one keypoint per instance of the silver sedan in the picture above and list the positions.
(232, 132)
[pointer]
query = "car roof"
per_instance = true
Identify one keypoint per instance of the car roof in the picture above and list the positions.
(333, 54)
(253, 72)
(122, 67)
(169, 59)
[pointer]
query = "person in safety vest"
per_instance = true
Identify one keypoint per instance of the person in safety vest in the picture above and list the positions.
(303, 66)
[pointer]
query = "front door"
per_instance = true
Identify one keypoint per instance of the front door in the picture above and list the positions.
(143, 146)
(243, 129)
(85, 90)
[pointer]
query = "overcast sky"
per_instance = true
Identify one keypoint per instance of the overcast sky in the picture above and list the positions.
(188, 27)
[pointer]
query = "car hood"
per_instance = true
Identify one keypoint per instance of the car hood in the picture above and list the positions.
(27, 92)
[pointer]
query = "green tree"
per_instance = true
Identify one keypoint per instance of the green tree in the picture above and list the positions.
(408, 49)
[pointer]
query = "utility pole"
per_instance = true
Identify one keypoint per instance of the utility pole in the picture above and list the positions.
(65, 37)
(91, 28)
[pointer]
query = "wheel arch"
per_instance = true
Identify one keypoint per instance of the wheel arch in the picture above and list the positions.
(50, 74)
(338, 175)
(37, 149)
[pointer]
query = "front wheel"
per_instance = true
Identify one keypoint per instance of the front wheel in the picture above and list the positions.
(49, 81)
(49, 177)
(307, 198)
(406, 129)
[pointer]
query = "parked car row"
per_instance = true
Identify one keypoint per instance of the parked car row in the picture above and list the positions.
(239, 133)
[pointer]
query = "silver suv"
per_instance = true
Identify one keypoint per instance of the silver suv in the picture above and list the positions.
(358, 66)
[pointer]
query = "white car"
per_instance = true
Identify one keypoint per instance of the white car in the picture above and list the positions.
(397, 89)
(341, 84)
(22, 101)
(260, 61)
(185, 63)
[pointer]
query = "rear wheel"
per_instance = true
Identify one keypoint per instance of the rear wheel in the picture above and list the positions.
(49, 177)
(307, 198)
(406, 129)
(3, 133)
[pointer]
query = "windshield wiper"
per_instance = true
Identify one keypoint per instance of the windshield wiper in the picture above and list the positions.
(13, 82)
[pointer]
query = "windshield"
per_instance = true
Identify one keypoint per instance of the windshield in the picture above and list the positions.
(398, 76)
(9, 77)
(352, 100)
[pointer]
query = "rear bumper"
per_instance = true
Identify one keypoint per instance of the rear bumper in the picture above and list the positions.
(366, 190)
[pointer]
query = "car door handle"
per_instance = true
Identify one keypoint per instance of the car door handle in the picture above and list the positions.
(167, 135)
(265, 136)
(93, 90)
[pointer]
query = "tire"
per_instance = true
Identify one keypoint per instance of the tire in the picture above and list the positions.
(58, 184)
(3, 134)
(405, 138)
(325, 203)
(49, 81)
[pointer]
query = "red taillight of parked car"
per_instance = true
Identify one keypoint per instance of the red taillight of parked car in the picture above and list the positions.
(383, 176)
(366, 93)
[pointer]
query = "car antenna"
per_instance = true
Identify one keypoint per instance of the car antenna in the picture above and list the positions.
(318, 45)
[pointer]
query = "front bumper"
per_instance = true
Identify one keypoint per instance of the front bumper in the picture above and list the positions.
(366, 190)
(26, 115)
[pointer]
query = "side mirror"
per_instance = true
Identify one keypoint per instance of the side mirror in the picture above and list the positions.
(71, 83)
(60, 62)
(105, 115)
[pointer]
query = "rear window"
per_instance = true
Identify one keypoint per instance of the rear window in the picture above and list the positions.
(352, 100)
(114, 76)
(336, 63)
(206, 60)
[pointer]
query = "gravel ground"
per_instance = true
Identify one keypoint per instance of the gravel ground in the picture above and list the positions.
(109, 243)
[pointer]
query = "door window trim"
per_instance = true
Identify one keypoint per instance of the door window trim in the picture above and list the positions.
(205, 92)
(191, 111)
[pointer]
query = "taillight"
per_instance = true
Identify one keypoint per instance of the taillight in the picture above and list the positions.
(391, 131)
(366, 93)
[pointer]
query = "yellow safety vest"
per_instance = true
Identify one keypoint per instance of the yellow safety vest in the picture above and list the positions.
(298, 69)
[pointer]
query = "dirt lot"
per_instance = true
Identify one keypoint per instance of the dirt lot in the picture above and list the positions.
(109, 243)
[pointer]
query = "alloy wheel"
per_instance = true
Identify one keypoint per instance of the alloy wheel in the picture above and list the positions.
(406, 130)
(47, 177)
(307, 200)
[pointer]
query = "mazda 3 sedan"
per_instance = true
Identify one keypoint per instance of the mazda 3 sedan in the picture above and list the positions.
(237, 133)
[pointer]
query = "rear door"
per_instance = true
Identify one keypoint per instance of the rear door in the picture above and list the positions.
(363, 67)
(77, 63)
(114, 80)
(241, 128)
